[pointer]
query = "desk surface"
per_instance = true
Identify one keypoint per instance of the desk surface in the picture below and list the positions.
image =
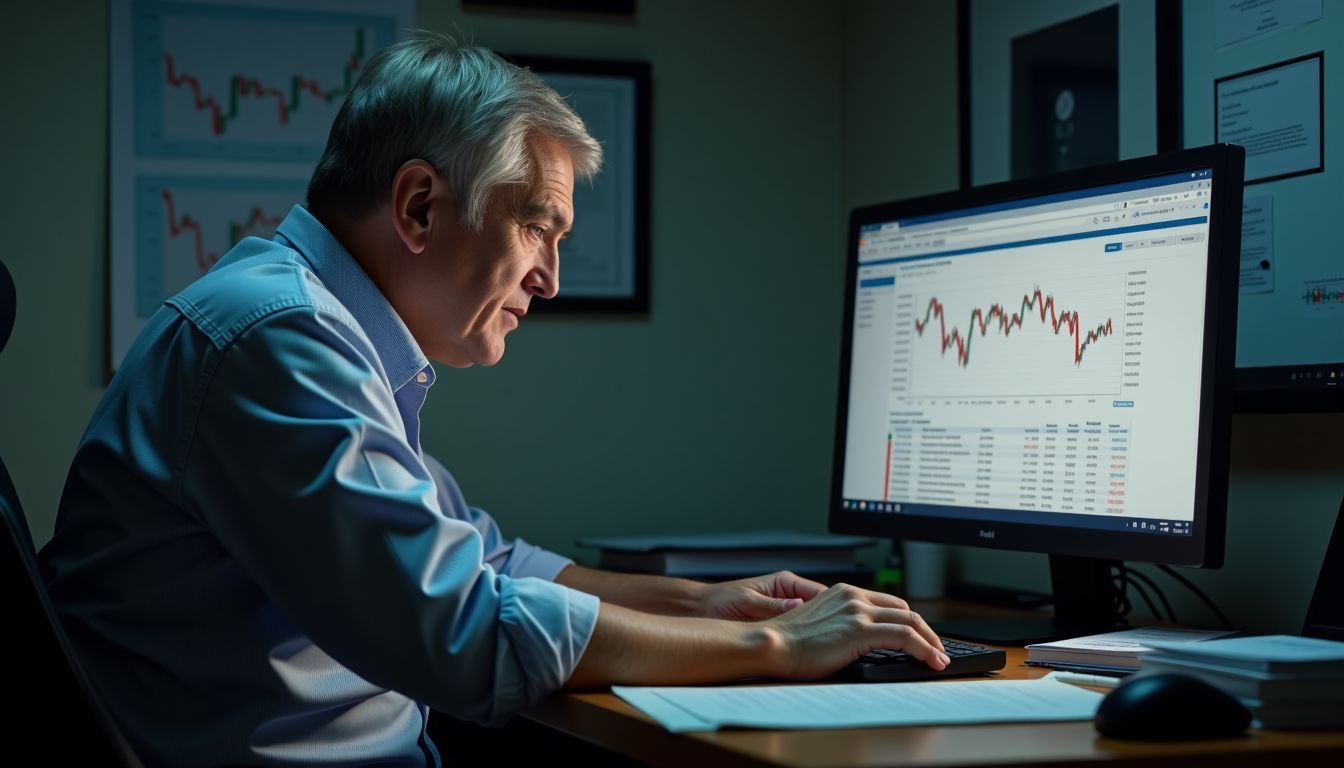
(606, 720)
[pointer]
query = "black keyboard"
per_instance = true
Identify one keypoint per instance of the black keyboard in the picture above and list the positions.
(886, 666)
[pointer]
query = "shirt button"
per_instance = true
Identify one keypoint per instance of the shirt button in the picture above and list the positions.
(422, 377)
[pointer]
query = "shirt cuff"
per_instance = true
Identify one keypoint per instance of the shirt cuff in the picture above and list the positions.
(546, 629)
(530, 560)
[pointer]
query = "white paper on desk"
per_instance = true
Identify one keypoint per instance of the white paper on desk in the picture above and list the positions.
(863, 705)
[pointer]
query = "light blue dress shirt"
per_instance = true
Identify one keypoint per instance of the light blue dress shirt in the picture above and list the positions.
(253, 557)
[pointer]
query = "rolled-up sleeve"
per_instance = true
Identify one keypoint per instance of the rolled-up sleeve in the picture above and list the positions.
(514, 557)
(299, 464)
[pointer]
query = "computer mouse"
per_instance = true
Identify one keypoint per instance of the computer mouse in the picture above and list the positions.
(1170, 705)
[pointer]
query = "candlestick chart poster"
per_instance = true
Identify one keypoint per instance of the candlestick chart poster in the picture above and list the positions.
(219, 110)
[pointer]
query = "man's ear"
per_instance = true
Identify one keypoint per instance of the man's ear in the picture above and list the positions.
(414, 188)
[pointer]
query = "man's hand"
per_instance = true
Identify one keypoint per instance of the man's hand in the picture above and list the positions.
(845, 622)
(760, 597)
(834, 627)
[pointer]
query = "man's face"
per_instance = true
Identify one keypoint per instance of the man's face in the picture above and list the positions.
(484, 282)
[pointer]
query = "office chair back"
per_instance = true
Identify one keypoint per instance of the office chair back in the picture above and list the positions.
(56, 713)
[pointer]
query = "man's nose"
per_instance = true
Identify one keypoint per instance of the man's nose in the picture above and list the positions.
(544, 280)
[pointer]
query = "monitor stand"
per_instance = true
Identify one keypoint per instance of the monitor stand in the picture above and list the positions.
(1085, 604)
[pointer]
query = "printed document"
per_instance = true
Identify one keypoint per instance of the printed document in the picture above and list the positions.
(862, 705)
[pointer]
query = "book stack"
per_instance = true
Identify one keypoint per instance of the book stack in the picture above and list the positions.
(1114, 653)
(1286, 681)
(731, 555)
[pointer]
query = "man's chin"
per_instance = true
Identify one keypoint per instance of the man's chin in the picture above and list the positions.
(465, 356)
(488, 357)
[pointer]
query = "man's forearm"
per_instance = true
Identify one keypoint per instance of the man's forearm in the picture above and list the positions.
(628, 646)
(812, 640)
(641, 592)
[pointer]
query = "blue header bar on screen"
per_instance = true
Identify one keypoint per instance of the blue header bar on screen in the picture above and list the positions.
(1043, 240)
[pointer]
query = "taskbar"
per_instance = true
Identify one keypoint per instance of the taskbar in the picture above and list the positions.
(1317, 388)
(1299, 377)
(1153, 526)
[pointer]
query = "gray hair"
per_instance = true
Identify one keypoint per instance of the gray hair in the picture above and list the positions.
(462, 109)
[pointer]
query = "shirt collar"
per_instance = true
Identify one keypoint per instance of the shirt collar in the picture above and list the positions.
(400, 354)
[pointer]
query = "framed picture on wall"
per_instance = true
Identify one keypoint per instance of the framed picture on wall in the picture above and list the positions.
(1051, 85)
(604, 263)
(1277, 112)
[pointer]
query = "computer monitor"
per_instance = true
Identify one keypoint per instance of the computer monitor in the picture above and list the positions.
(1290, 348)
(1046, 365)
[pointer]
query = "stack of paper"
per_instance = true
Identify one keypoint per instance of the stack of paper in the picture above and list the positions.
(1286, 681)
(1119, 652)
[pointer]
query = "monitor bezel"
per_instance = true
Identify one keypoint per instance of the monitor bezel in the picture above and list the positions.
(1204, 547)
(1270, 389)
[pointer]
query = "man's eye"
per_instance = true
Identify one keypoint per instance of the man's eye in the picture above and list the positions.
(536, 230)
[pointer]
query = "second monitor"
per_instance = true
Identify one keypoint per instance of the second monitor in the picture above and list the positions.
(1046, 365)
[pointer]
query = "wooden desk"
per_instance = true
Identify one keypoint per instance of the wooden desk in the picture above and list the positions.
(603, 719)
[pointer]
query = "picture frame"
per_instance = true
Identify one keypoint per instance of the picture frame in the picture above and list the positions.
(1148, 78)
(1305, 152)
(604, 264)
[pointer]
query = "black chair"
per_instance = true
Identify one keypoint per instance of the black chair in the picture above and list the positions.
(56, 714)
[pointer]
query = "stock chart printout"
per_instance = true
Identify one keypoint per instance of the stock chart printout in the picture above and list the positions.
(1037, 357)
(219, 112)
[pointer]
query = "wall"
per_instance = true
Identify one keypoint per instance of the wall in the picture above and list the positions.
(53, 149)
(713, 412)
(995, 24)
(900, 86)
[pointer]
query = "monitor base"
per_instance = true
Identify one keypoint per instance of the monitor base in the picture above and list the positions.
(1086, 603)
(1016, 631)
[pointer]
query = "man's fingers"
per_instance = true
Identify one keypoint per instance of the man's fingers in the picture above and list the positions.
(759, 606)
(925, 631)
(884, 600)
(915, 622)
(775, 606)
(888, 602)
(902, 637)
(786, 584)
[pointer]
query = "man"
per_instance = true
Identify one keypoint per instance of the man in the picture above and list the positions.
(254, 558)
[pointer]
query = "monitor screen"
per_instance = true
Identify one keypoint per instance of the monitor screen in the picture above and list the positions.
(1046, 364)
(1290, 322)
(1290, 348)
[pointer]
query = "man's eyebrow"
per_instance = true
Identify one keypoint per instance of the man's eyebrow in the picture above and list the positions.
(548, 211)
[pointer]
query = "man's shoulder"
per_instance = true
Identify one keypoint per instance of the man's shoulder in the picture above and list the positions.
(256, 280)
